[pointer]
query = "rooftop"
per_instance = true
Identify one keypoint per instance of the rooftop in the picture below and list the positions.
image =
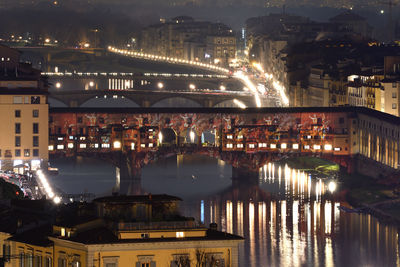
(137, 199)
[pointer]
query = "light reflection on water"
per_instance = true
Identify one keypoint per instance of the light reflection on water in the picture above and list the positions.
(287, 218)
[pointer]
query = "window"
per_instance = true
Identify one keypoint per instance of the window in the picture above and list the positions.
(47, 262)
(21, 259)
(18, 128)
(35, 99)
(145, 264)
(62, 262)
(394, 106)
(17, 100)
(18, 152)
(35, 152)
(145, 235)
(36, 141)
(26, 99)
(18, 141)
(35, 128)
(17, 113)
(180, 234)
(35, 113)
(27, 152)
(111, 265)
(38, 261)
(76, 264)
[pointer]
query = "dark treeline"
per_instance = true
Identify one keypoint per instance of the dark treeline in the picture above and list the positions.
(69, 27)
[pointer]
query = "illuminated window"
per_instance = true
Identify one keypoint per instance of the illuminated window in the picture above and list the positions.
(328, 147)
(337, 149)
(70, 145)
(133, 146)
(229, 136)
(273, 146)
(51, 148)
(252, 146)
(150, 144)
(239, 145)
(180, 234)
(317, 147)
(105, 145)
(295, 146)
(60, 146)
(62, 231)
(60, 138)
(262, 145)
(82, 138)
(96, 145)
(229, 145)
(306, 147)
(142, 145)
(82, 145)
(240, 137)
(283, 146)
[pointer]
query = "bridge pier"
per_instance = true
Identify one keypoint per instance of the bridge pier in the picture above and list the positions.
(128, 180)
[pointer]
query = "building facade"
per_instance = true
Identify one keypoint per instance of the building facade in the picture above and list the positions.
(23, 112)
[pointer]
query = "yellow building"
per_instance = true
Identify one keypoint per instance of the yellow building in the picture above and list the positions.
(141, 231)
(23, 113)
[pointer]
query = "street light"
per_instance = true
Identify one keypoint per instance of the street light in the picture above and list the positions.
(192, 86)
(160, 85)
(222, 88)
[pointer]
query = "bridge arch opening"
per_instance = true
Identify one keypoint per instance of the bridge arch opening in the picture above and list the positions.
(191, 136)
(110, 102)
(230, 104)
(208, 138)
(167, 136)
(55, 103)
(173, 102)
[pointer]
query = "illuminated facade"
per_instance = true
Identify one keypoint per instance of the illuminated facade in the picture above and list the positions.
(23, 113)
(334, 133)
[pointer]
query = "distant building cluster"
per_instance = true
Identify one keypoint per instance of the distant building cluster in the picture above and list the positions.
(184, 38)
(327, 64)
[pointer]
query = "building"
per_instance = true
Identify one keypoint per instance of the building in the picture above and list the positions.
(184, 38)
(23, 113)
(142, 231)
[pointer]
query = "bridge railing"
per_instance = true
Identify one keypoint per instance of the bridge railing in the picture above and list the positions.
(156, 225)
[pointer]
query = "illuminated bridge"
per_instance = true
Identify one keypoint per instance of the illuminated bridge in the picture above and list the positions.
(358, 139)
(154, 98)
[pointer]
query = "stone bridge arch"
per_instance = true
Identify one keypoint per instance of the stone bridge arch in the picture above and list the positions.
(176, 101)
(98, 101)
(230, 104)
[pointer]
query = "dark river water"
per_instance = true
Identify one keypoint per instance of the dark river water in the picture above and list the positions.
(286, 216)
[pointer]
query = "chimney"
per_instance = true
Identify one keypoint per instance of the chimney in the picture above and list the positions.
(213, 226)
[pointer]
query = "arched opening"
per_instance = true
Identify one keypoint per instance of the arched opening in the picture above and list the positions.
(191, 137)
(55, 103)
(173, 102)
(110, 102)
(167, 136)
(230, 104)
(208, 138)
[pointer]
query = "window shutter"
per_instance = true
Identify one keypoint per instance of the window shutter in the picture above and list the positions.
(152, 264)
(138, 264)
(221, 263)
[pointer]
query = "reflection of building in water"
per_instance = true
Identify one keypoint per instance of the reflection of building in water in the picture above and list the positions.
(303, 227)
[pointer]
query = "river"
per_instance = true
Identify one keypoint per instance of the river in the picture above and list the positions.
(286, 217)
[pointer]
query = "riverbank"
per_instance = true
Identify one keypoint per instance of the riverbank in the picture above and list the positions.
(376, 197)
